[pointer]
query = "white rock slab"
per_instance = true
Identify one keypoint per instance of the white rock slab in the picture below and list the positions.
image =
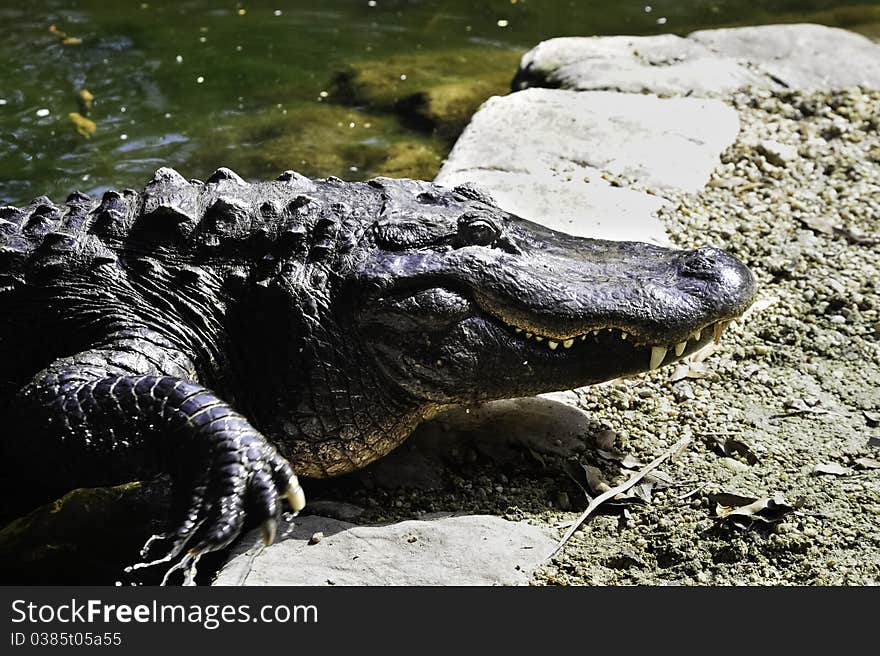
(706, 63)
(568, 203)
(442, 550)
(543, 154)
(665, 64)
(802, 56)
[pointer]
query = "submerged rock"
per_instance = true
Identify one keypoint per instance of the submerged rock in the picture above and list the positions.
(70, 541)
(319, 140)
(411, 159)
(434, 91)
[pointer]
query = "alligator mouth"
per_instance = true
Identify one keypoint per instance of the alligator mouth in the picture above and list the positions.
(565, 343)
(599, 335)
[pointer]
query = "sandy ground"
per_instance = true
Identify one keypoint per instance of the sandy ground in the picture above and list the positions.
(793, 387)
(797, 383)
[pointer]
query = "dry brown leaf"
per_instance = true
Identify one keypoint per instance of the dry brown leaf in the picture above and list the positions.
(744, 511)
(592, 481)
(688, 369)
(605, 439)
(595, 480)
(731, 500)
(832, 468)
(640, 492)
(587, 477)
(631, 462)
(608, 455)
(729, 446)
(818, 223)
(806, 406)
(704, 353)
(680, 372)
(660, 479)
(856, 236)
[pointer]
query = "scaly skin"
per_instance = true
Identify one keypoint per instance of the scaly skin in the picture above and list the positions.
(230, 333)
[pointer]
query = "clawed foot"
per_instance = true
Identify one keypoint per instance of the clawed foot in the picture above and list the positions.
(245, 478)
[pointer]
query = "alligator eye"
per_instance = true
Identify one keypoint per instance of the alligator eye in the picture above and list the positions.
(478, 232)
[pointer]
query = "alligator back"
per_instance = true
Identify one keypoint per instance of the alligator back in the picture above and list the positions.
(172, 232)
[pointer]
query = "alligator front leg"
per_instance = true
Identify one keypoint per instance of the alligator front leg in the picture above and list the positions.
(96, 413)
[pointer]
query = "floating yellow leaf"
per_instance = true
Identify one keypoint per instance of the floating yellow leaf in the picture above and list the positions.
(66, 39)
(84, 99)
(83, 126)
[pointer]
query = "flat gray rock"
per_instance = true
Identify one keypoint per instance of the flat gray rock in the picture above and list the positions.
(664, 64)
(545, 155)
(441, 550)
(706, 63)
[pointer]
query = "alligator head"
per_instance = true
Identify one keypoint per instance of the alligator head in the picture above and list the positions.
(468, 303)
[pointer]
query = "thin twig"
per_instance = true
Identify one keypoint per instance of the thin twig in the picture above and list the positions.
(687, 495)
(623, 487)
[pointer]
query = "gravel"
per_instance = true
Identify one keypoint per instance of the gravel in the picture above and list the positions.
(797, 197)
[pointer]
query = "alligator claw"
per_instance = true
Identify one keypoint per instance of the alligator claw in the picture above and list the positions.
(251, 482)
(269, 529)
(295, 496)
(152, 539)
(187, 565)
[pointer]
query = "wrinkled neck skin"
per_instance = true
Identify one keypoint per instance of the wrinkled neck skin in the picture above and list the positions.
(309, 381)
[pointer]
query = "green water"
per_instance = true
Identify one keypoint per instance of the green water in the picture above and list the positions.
(200, 84)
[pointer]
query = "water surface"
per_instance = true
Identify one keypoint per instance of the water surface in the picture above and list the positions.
(177, 83)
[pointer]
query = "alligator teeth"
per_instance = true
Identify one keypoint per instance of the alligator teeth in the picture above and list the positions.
(679, 348)
(718, 328)
(657, 355)
(697, 335)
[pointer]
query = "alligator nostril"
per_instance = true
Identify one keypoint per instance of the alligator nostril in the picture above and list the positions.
(730, 280)
(704, 263)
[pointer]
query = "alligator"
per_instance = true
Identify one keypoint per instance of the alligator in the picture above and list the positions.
(235, 335)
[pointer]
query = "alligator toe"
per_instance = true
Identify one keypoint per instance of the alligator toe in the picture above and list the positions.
(249, 482)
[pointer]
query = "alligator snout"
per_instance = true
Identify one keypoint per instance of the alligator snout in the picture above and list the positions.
(718, 277)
